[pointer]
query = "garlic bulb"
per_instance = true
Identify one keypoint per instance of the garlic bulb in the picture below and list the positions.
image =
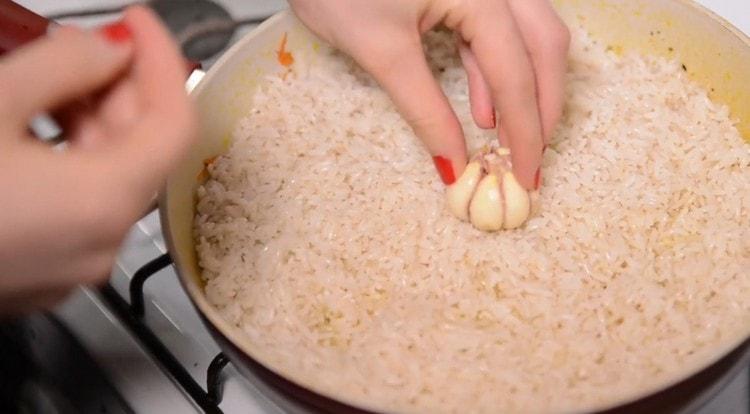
(488, 195)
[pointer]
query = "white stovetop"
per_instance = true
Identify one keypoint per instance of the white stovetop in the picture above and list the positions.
(173, 318)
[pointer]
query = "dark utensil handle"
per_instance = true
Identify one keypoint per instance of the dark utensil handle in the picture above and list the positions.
(19, 25)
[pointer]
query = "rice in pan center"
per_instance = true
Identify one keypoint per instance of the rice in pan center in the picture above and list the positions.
(323, 235)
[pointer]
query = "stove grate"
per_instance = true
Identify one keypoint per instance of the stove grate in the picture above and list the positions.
(132, 314)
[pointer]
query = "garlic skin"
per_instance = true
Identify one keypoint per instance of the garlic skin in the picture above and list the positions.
(486, 209)
(488, 195)
(517, 203)
(460, 193)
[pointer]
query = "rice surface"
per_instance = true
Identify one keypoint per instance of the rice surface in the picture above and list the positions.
(323, 236)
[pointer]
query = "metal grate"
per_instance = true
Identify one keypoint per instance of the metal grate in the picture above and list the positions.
(132, 314)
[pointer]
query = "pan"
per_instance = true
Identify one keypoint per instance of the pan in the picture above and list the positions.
(715, 54)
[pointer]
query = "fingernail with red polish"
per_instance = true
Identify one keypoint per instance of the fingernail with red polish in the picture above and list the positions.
(445, 169)
(538, 178)
(117, 32)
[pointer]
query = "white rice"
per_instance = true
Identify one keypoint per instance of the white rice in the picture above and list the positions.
(322, 235)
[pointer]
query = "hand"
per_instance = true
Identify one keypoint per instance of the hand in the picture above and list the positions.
(514, 52)
(65, 213)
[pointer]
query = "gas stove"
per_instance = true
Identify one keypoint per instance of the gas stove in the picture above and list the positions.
(137, 345)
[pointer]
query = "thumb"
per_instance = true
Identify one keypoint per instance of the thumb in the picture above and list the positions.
(166, 127)
(406, 77)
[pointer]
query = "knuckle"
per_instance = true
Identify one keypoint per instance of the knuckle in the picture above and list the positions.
(438, 133)
(424, 125)
(514, 85)
(435, 119)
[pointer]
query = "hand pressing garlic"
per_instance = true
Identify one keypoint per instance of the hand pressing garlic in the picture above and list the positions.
(488, 195)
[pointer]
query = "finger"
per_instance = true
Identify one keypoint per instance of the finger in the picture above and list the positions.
(159, 72)
(19, 303)
(480, 98)
(69, 117)
(119, 108)
(78, 121)
(547, 39)
(50, 297)
(82, 128)
(82, 62)
(498, 46)
(166, 128)
(100, 120)
(502, 136)
(407, 79)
